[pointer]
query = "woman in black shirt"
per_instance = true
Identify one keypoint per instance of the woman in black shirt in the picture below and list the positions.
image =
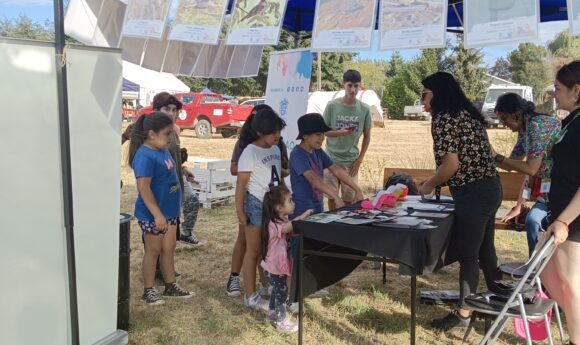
(465, 163)
(562, 275)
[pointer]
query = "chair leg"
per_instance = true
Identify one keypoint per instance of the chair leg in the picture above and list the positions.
(493, 330)
(499, 330)
(548, 329)
(559, 320)
(469, 327)
(525, 319)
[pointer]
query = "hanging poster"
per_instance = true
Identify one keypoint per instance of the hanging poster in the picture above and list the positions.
(146, 18)
(340, 24)
(574, 16)
(412, 24)
(256, 22)
(493, 22)
(289, 74)
(198, 21)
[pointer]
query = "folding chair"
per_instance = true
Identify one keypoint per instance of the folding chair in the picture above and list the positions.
(505, 306)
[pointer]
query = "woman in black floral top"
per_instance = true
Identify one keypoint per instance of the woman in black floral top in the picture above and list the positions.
(464, 163)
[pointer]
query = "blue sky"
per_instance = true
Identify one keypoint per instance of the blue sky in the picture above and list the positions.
(42, 10)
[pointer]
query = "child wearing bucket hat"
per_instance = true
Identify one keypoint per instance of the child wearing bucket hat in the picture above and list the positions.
(307, 164)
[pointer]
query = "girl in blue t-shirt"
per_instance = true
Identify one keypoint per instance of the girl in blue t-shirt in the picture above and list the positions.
(158, 205)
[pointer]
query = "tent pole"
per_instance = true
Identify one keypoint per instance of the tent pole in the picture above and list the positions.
(65, 163)
(319, 71)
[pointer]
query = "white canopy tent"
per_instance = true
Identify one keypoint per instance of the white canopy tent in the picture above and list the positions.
(318, 100)
(151, 82)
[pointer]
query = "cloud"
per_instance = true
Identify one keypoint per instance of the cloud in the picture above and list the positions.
(26, 2)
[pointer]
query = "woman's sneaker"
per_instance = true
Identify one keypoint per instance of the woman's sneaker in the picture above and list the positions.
(452, 321)
(255, 301)
(175, 291)
(151, 297)
(287, 325)
(233, 287)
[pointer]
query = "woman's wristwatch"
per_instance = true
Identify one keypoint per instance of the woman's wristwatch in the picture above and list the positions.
(499, 158)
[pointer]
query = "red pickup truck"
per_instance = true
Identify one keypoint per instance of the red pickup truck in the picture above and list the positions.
(208, 113)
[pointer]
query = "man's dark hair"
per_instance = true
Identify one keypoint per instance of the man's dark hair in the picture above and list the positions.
(351, 76)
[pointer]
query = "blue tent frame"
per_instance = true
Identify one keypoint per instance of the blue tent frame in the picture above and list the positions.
(300, 13)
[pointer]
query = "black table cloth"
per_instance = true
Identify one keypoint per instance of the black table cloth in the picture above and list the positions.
(418, 251)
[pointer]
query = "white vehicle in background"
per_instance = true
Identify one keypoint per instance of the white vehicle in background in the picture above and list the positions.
(416, 112)
(493, 93)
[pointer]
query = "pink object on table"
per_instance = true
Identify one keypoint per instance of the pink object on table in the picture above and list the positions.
(388, 200)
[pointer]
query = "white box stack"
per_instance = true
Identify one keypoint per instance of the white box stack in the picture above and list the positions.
(213, 181)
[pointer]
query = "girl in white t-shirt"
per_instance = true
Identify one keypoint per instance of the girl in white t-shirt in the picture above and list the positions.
(259, 168)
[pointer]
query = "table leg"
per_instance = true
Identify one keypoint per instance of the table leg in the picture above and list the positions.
(384, 266)
(413, 307)
(300, 291)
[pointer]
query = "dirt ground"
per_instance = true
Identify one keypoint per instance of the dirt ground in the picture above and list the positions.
(359, 309)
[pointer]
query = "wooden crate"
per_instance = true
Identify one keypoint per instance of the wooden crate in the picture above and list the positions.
(213, 181)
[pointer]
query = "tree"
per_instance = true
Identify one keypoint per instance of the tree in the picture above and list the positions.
(465, 65)
(501, 69)
(530, 66)
(396, 65)
(24, 27)
(565, 46)
(373, 74)
(405, 88)
(396, 96)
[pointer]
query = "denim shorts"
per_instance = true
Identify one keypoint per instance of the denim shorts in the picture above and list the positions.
(253, 210)
(148, 226)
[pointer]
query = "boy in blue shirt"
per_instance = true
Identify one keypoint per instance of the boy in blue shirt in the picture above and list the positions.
(307, 164)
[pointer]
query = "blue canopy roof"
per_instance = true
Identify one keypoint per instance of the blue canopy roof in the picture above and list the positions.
(300, 13)
(130, 86)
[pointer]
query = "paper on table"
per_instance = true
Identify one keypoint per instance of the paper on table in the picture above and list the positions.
(355, 221)
(423, 207)
(430, 215)
(412, 221)
(323, 218)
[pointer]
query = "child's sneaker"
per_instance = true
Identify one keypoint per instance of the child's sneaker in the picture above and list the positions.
(287, 325)
(190, 240)
(151, 297)
(265, 291)
(175, 291)
(233, 287)
(255, 301)
(271, 316)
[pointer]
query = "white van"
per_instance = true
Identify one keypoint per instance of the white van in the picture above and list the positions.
(493, 93)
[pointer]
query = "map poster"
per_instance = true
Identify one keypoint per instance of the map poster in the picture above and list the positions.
(256, 22)
(146, 18)
(493, 22)
(198, 21)
(289, 74)
(412, 24)
(574, 16)
(343, 25)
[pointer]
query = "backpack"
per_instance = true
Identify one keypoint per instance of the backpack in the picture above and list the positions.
(405, 179)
